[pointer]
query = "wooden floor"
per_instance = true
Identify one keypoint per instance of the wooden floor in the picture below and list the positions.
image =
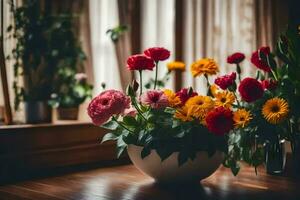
(127, 183)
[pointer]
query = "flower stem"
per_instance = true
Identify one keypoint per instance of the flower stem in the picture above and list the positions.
(238, 102)
(274, 75)
(208, 86)
(114, 119)
(141, 82)
(238, 70)
(138, 109)
(156, 72)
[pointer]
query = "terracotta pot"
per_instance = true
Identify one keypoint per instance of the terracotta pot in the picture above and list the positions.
(168, 171)
(67, 113)
(37, 112)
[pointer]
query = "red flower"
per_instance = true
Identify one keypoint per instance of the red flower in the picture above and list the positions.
(255, 59)
(225, 81)
(250, 89)
(140, 62)
(157, 53)
(269, 84)
(235, 58)
(219, 121)
(184, 94)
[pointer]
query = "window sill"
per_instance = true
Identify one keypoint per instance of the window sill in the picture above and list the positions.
(45, 146)
(47, 125)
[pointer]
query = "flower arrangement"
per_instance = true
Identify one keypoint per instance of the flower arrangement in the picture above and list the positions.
(238, 116)
(163, 120)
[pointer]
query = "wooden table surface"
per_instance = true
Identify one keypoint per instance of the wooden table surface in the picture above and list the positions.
(127, 183)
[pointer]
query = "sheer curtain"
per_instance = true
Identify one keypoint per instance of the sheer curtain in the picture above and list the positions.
(215, 29)
(9, 44)
(103, 16)
(157, 30)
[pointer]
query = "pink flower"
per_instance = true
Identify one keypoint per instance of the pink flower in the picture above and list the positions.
(184, 95)
(140, 62)
(157, 53)
(130, 112)
(107, 104)
(225, 81)
(80, 77)
(155, 99)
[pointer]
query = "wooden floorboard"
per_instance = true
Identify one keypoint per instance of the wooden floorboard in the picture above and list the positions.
(127, 183)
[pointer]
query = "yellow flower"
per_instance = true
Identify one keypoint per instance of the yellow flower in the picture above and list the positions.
(214, 89)
(174, 100)
(225, 99)
(183, 114)
(241, 118)
(275, 110)
(199, 105)
(176, 65)
(206, 66)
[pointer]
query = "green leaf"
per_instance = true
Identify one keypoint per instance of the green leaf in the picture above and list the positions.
(109, 136)
(129, 139)
(182, 158)
(169, 110)
(271, 62)
(164, 152)
(121, 145)
(120, 150)
(180, 134)
(176, 123)
(111, 125)
(235, 169)
(130, 121)
(145, 152)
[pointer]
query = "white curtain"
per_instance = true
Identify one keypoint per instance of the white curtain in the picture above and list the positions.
(103, 16)
(216, 29)
(158, 31)
(9, 44)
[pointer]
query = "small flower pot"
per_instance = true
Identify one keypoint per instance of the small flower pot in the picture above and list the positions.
(67, 113)
(169, 172)
(275, 157)
(37, 112)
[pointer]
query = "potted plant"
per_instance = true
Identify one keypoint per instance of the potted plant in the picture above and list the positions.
(168, 135)
(33, 68)
(72, 91)
(70, 88)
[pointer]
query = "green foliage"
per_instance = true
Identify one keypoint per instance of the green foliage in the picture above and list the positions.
(116, 32)
(47, 54)
(31, 53)
(156, 129)
(70, 88)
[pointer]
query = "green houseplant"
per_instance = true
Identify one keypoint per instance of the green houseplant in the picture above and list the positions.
(33, 68)
(72, 91)
(70, 88)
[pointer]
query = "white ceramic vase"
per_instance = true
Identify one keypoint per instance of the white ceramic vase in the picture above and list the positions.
(168, 171)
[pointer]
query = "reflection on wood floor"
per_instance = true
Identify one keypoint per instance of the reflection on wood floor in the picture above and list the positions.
(127, 183)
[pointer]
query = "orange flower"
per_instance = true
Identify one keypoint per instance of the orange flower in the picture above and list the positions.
(176, 65)
(174, 100)
(205, 66)
(183, 114)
